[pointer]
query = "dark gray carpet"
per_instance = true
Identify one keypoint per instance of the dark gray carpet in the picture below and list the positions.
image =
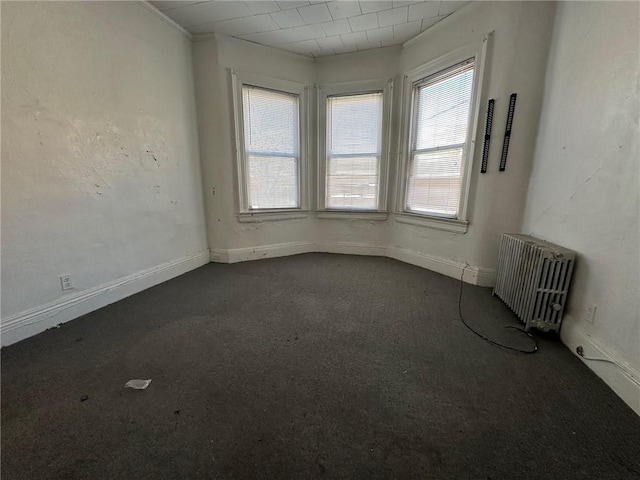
(313, 366)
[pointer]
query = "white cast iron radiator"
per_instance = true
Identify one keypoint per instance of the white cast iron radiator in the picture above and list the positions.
(533, 280)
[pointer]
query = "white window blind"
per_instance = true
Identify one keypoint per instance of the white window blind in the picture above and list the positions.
(441, 108)
(354, 138)
(271, 145)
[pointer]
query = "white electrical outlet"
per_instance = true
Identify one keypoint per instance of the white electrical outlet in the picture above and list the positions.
(66, 282)
(590, 314)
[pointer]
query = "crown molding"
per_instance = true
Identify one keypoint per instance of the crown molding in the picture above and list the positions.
(153, 9)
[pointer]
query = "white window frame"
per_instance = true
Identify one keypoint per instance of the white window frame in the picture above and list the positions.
(354, 88)
(476, 50)
(245, 212)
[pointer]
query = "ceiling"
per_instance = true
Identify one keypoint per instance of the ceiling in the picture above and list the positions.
(314, 28)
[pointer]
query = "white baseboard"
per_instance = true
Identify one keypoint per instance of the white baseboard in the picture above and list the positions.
(33, 321)
(623, 379)
(234, 255)
(483, 277)
(474, 275)
(352, 248)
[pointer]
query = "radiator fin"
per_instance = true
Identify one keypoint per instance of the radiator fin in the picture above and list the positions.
(533, 280)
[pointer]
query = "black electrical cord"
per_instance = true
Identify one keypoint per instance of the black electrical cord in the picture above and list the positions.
(535, 344)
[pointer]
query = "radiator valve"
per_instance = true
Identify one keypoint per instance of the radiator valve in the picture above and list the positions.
(556, 306)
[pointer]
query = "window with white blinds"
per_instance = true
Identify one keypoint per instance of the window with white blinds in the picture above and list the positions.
(353, 151)
(439, 129)
(271, 144)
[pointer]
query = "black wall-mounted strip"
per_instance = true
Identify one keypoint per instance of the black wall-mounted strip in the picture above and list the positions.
(507, 132)
(487, 136)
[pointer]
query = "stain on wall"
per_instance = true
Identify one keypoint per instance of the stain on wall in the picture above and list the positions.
(100, 162)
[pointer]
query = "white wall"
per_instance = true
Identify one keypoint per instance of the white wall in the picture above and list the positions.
(516, 60)
(100, 164)
(214, 57)
(358, 236)
(516, 63)
(584, 188)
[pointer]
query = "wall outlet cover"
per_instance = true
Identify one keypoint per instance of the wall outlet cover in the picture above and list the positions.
(66, 282)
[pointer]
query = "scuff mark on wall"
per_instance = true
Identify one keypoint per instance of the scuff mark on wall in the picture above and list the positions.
(80, 202)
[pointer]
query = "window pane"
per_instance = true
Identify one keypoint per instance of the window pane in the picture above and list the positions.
(270, 121)
(434, 182)
(271, 148)
(442, 109)
(273, 182)
(354, 137)
(352, 182)
(442, 104)
(354, 123)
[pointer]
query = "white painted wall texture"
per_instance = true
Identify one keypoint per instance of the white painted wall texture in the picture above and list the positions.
(100, 164)
(584, 187)
(214, 58)
(516, 63)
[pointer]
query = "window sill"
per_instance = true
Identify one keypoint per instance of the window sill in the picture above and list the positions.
(437, 223)
(377, 215)
(271, 215)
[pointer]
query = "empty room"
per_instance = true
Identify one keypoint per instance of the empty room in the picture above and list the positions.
(320, 239)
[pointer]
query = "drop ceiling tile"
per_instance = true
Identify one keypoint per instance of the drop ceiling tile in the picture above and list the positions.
(308, 32)
(288, 18)
(291, 4)
(380, 34)
(352, 39)
(258, 7)
(447, 7)
(307, 47)
(337, 27)
(315, 27)
(406, 30)
(343, 9)
(393, 17)
(315, 14)
(275, 37)
(209, 12)
(402, 4)
(241, 26)
(330, 43)
(344, 49)
(423, 10)
(169, 5)
(374, 6)
(364, 22)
